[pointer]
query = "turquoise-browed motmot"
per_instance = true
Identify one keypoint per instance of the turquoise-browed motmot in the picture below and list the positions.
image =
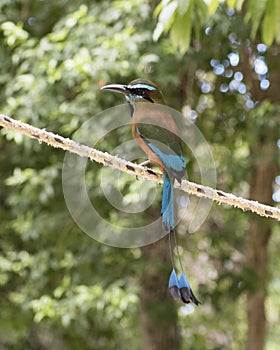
(157, 134)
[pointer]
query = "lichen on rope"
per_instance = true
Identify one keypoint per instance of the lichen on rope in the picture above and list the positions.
(123, 165)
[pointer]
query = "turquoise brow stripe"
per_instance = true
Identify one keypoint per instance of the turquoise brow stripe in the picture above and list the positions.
(142, 86)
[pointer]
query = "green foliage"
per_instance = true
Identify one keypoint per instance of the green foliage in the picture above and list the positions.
(263, 14)
(183, 18)
(271, 23)
(55, 279)
(63, 290)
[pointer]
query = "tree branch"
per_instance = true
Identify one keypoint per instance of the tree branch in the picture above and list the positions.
(107, 159)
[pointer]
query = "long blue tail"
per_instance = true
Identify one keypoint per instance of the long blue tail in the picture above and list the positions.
(167, 205)
(178, 288)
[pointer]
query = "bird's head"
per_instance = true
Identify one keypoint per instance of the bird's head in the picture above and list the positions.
(139, 90)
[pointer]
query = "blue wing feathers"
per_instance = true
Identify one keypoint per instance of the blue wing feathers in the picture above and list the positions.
(173, 162)
(170, 161)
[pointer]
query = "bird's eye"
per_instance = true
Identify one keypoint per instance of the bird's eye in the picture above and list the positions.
(139, 92)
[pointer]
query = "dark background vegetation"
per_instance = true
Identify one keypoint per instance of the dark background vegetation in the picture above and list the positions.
(59, 289)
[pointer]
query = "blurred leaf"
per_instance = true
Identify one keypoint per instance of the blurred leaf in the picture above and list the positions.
(183, 6)
(180, 32)
(269, 22)
(165, 19)
(213, 6)
(254, 13)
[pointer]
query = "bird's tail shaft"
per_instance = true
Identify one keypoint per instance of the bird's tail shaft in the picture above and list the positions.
(167, 207)
(167, 212)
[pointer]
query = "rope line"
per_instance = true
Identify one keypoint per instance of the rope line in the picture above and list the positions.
(123, 165)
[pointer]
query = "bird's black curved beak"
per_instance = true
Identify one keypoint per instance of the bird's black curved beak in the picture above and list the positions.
(115, 88)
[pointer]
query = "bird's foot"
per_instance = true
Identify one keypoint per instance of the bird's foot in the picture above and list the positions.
(147, 162)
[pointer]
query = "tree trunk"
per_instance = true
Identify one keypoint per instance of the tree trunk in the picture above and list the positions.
(257, 249)
(263, 172)
(158, 311)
